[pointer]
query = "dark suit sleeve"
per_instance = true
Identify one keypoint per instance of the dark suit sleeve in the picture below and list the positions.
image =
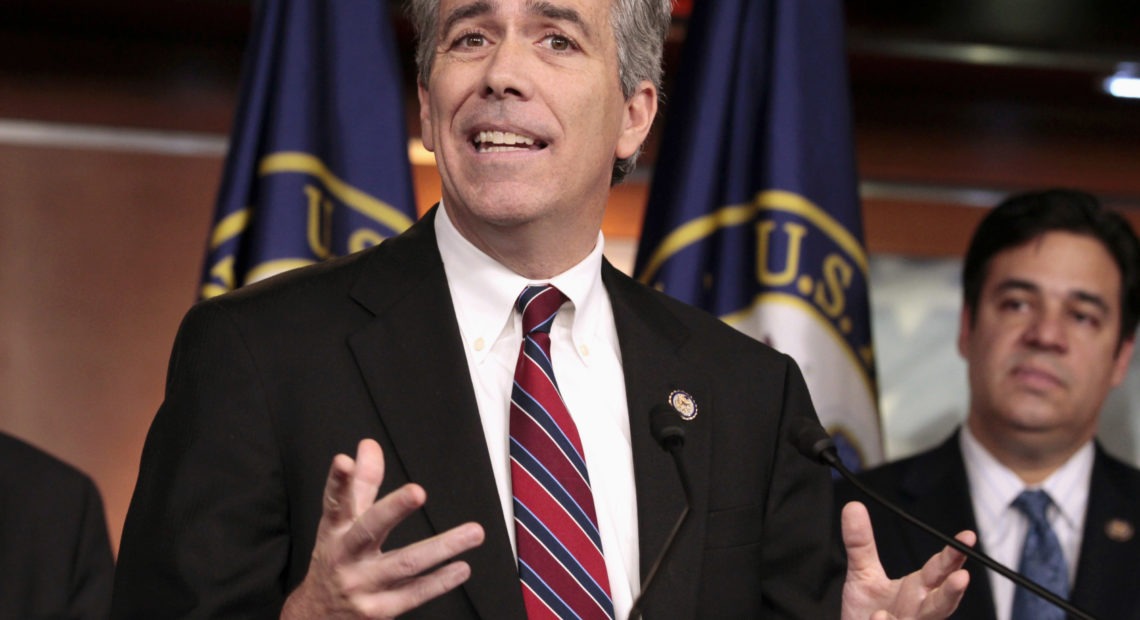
(206, 534)
(803, 575)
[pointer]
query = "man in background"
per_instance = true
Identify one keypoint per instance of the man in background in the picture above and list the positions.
(1051, 299)
(55, 556)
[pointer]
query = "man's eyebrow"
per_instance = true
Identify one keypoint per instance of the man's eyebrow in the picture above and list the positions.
(1091, 298)
(549, 10)
(466, 11)
(1017, 284)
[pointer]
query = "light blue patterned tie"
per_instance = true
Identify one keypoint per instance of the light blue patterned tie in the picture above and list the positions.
(1041, 560)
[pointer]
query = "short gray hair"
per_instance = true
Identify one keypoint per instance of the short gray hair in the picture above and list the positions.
(639, 28)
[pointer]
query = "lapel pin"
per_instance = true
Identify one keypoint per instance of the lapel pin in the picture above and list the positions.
(683, 403)
(1119, 530)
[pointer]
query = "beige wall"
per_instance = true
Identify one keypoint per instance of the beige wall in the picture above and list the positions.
(99, 259)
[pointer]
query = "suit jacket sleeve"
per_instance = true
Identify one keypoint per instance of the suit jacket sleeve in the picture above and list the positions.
(205, 535)
(802, 576)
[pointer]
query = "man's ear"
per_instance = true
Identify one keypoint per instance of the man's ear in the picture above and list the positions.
(1123, 360)
(426, 134)
(640, 110)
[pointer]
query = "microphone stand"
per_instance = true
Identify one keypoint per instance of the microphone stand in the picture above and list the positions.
(671, 436)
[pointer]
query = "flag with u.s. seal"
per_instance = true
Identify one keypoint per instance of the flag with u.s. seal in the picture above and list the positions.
(318, 160)
(754, 212)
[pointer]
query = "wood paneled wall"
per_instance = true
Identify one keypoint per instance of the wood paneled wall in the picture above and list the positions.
(99, 257)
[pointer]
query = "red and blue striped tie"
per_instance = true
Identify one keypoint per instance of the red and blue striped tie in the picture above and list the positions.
(561, 565)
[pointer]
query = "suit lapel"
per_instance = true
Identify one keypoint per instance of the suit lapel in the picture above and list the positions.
(650, 339)
(405, 355)
(1105, 585)
(936, 491)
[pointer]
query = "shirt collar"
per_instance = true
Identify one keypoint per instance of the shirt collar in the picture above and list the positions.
(484, 291)
(1068, 487)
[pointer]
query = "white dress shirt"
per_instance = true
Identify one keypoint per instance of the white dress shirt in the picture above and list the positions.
(1002, 528)
(587, 364)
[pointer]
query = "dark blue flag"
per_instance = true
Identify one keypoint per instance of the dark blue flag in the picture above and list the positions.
(754, 211)
(318, 160)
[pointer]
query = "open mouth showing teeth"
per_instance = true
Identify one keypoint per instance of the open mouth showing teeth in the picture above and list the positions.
(502, 141)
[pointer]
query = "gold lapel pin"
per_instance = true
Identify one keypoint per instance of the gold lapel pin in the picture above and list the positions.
(683, 403)
(1119, 530)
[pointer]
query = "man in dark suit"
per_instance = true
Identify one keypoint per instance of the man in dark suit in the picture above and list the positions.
(1051, 301)
(54, 552)
(405, 354)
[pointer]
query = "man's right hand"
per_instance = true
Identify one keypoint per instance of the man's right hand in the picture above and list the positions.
(929, 593)
(349, 576)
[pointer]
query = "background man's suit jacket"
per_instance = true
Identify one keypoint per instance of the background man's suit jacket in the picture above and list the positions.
(266, 385)
(55, 556)
(933, 487)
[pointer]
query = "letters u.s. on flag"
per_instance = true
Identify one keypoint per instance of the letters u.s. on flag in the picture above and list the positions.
(318, 160)
(754, 212)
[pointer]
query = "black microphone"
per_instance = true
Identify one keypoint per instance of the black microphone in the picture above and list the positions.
(665, 425)
(813, 442)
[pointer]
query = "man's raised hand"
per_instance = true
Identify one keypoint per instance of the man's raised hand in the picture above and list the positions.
(349, 576)
(931, 592)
